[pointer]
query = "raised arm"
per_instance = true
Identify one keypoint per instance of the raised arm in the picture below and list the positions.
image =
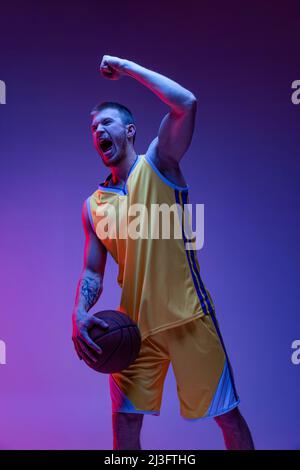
(89, 289)
(177, 127)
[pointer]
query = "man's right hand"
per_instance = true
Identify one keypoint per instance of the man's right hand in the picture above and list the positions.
(112, 67)
(84, 345)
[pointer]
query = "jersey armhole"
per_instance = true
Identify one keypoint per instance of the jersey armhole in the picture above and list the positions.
(88, 206)
(163, 178)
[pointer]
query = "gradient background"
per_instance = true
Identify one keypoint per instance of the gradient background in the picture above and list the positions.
(239, 59)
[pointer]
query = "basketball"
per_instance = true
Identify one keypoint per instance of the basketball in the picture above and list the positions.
(120, 343)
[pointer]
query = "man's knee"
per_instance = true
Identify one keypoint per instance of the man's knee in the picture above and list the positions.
(126, 430)
(228, 419)
(129, 420)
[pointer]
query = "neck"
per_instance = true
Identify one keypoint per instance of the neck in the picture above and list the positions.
(120, 172)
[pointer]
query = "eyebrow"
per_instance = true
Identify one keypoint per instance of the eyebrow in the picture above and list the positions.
(101, 120)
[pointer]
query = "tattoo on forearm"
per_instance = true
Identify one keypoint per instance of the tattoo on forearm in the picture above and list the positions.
(89, 290)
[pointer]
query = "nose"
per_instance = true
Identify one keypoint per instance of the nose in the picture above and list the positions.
(99, 131)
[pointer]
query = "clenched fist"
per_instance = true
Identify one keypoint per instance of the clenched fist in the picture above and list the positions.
(112, 67)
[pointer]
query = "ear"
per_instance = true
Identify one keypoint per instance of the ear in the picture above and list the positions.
(131, 130)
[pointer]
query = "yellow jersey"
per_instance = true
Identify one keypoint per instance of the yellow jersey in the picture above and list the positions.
(159, 277)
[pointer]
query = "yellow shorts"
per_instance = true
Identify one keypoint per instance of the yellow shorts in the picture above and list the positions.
(205, 384)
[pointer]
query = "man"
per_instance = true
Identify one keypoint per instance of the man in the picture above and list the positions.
(161, 285)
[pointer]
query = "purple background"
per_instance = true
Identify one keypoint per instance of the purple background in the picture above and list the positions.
(243, 164)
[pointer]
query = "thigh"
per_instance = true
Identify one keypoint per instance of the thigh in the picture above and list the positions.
(200, 368)
(139, 388)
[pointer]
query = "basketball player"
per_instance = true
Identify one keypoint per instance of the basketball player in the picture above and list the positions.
(162, 289)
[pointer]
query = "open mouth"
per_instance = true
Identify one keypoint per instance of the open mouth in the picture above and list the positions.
(105, 145)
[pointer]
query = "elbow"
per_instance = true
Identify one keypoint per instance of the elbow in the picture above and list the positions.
(193, 100)
(190, 102)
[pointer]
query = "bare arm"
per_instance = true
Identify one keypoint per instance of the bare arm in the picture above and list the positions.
(90, 283)
(89, 289)
(177, 127)
(170, 92)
